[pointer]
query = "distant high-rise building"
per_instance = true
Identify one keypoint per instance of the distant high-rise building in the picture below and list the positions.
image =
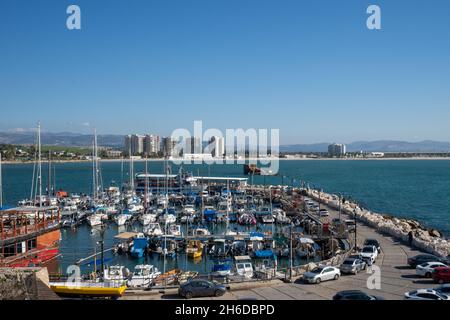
(127, 145)
(152, 144)
(337, 150)
(168, 145)
(134, 144)
(218, 146)
(193, 145)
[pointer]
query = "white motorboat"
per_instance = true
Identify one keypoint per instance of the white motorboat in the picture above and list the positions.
(95, 220)
(153, 229)
(143, 276)
(168, 218)
(188, 210)
(200, 232)
(175, 230)
(122, 219)
(147, 218)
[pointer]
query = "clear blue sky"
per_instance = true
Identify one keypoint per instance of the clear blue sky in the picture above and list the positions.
(310, 68)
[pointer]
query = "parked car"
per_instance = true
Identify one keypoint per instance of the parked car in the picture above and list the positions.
(425, 294)
(373, 242)
(355, 295)
(323, 213)
(441, 275)
(369, 253)
(352, 265)
(444, 289)
(426, 269)
(201, 288)
(320, 274)
(422, 258)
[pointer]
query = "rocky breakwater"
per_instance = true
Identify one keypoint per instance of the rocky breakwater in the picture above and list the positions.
(428, 240)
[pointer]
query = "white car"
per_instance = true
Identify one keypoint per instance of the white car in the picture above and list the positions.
(369, 253)
(323, 213)
(425, 294)
(322, 273)
(426, 269)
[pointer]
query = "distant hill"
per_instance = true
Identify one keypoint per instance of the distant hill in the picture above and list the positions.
(66, 139)
(69, 139)
(374, 146)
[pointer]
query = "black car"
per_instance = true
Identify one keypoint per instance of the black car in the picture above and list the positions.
(201, 288)
(422, 258)
(373, 242)
(355, 295)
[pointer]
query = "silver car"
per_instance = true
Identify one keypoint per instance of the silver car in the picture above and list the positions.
(323, 273)
(352, 265)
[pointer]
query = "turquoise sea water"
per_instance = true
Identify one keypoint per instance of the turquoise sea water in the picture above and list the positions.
(416, 189)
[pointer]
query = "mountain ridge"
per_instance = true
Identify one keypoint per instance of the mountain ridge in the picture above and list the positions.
(70, 139)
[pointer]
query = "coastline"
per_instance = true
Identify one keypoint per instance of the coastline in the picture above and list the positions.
(238, 161)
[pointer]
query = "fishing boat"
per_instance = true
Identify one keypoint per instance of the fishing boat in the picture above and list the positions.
(116, 274)
(243, 266)
(194, 249)
(88, 289)
(139, 246)
(143, 276)
(222, 268)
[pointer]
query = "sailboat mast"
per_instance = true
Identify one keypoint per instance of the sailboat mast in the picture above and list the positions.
(39, 164)
(49, 182)
(97, 182)
(94, 186)
(146, 186)
(1, 184)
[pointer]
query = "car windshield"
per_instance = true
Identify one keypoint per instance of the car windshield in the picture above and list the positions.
(348, 262)
(367, 249)
(317, 270)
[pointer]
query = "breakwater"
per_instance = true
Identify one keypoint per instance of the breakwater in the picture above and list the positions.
(428, 240)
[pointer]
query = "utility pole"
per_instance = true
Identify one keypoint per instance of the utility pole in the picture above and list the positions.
(340, 209)
(291, 253)
(356, 242)
(102, 254)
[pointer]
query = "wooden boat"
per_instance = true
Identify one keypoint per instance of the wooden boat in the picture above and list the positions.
(168, 277)
(88, 289)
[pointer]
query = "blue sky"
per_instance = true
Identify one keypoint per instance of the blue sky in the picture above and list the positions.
(310, 68)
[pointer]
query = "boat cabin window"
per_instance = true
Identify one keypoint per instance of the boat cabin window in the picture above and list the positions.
(31, 244)
(9, 251)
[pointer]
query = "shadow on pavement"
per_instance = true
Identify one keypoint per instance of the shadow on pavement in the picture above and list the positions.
(170, 297)
(403, 268)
